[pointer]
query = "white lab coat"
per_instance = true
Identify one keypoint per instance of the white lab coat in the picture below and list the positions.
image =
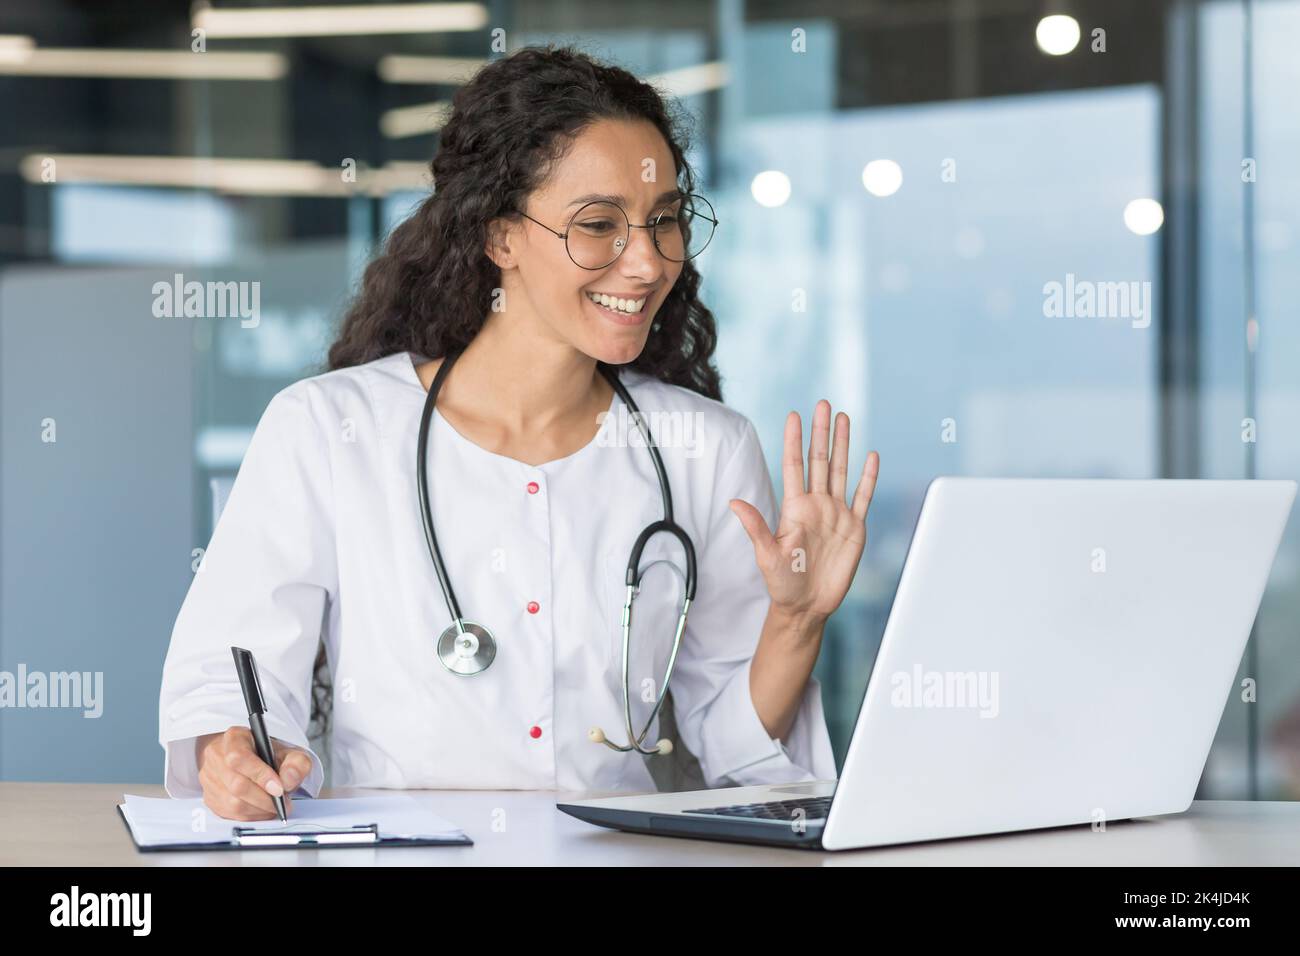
(322, 537)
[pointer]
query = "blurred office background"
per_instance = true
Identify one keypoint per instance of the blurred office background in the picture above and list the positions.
(897, 182)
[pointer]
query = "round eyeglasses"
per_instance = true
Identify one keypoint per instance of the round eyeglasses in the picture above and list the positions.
(598, 232)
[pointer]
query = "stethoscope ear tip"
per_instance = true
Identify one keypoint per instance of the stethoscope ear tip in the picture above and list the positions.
(596, 735)
(665, 746)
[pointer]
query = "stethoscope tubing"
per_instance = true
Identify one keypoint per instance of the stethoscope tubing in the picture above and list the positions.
(422, 478)
(632, 577)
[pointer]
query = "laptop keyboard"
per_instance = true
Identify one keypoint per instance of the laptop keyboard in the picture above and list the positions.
(814, 808)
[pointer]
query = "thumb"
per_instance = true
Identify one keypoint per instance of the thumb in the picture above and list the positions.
(295, 767)
(755, 525)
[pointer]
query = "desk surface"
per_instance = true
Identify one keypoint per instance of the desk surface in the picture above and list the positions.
(74, 824)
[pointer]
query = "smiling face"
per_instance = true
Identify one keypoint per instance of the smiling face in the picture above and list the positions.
(604, 313)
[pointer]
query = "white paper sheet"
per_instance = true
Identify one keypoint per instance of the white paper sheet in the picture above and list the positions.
(161, 821)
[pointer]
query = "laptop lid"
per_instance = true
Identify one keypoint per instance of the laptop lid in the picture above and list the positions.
(1058, 652)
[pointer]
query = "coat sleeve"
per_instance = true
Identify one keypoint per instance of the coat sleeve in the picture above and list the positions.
(264, 583)
(711, 698)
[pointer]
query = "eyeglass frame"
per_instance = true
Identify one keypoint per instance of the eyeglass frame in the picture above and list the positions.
(630, 225)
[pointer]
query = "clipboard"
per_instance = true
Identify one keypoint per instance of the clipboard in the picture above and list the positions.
(299, 837)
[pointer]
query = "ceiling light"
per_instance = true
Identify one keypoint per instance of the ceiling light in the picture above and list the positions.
(448, 70)
(144, 64)
(1058, 34)
(343, 20)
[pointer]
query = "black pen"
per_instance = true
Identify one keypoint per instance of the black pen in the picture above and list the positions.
(246, 668)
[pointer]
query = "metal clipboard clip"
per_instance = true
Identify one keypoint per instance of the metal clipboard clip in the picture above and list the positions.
(318, 836)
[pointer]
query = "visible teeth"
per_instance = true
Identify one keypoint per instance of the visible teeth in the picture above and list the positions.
(630, 306)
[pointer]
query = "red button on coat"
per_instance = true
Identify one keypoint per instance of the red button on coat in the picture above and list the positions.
(533, 607)
(533, 487)
(535, 732)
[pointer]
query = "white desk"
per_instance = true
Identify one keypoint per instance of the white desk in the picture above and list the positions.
(78, 825)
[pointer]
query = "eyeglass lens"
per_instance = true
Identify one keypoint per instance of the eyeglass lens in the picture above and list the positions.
(598, 234)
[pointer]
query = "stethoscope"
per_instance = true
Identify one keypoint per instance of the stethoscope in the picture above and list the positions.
(467, 647)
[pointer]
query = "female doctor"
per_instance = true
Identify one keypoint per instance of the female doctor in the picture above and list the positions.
(559, 235)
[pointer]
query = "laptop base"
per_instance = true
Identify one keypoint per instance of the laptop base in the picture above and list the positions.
(703, 827)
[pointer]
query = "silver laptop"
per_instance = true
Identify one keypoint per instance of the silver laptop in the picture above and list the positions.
(1058, 652)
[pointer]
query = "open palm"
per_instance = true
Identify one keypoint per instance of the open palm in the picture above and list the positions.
(810, 562)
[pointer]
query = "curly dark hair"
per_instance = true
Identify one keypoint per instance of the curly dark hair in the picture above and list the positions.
(429, 290)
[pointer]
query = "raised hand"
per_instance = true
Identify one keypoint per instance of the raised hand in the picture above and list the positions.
(809, 563)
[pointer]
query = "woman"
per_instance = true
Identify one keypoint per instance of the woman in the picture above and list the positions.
(559, 236)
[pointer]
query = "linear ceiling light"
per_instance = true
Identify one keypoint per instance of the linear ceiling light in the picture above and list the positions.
(690, 80)
(350, 20)
(448, 70)
(414, 120)
(142, 64)
(250, 177)
(14, 48)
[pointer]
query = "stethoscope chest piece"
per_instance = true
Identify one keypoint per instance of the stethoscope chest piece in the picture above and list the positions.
(466, 652)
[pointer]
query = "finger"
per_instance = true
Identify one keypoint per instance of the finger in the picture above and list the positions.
(755, 526)
(819, 448)
(242, 788)
(237, 737)
(229, 807)
(236, 743)
(840, 457)
(295, 767)
(866, 486)
(792, 458)
(218, 797)
(250, 765)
